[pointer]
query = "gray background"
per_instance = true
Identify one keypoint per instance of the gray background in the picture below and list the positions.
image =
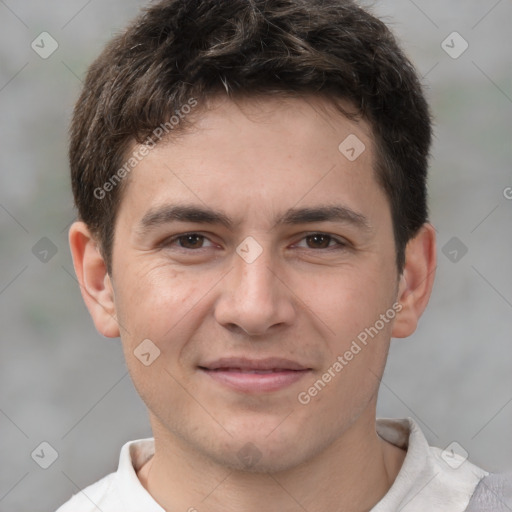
(62, 383)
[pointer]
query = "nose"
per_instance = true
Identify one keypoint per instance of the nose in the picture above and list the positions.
(254, 297)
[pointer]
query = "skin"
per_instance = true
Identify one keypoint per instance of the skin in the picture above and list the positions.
(304, 298)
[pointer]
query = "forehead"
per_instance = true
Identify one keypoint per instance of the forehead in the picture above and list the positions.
(307, 118)
(257, 151)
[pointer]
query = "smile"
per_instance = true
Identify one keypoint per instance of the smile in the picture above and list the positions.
(255, 381)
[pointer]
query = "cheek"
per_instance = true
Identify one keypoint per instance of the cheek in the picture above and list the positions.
(153, 303)
(351, 299)
(351, 304)
(157, 305)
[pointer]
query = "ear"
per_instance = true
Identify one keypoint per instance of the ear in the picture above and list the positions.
(95, 283)
(416, 281)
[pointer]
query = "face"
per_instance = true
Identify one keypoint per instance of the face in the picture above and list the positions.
(252, 253)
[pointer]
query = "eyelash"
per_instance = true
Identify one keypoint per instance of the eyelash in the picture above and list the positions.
(340, 242)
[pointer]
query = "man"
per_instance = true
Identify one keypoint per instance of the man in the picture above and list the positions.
(250, 181)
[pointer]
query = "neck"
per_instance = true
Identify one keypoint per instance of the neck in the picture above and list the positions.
(352, 474)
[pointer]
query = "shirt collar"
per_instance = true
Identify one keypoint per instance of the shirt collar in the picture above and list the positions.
(424, 478)
(426, 481)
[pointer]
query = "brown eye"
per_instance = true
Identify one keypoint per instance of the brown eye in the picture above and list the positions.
(319, 241)
(191, 241)
(323, 241)
(186, 241)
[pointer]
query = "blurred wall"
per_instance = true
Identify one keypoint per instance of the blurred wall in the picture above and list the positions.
(62, 383)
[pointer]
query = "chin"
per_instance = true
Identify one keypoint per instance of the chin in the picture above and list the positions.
(256, 459)
(255, 451)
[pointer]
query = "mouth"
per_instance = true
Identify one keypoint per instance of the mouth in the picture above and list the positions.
(255, 376)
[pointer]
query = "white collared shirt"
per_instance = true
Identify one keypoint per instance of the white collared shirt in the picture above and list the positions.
(427, 482)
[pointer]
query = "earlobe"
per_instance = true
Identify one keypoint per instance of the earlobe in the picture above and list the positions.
(95, 282)
(416, 281)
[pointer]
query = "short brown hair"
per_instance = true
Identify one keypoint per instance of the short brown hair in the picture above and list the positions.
(178, 50)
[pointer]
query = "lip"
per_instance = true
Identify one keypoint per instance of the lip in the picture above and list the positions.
(255, 375)
(245, 363)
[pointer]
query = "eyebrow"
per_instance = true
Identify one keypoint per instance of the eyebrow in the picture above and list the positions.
(202, 215)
